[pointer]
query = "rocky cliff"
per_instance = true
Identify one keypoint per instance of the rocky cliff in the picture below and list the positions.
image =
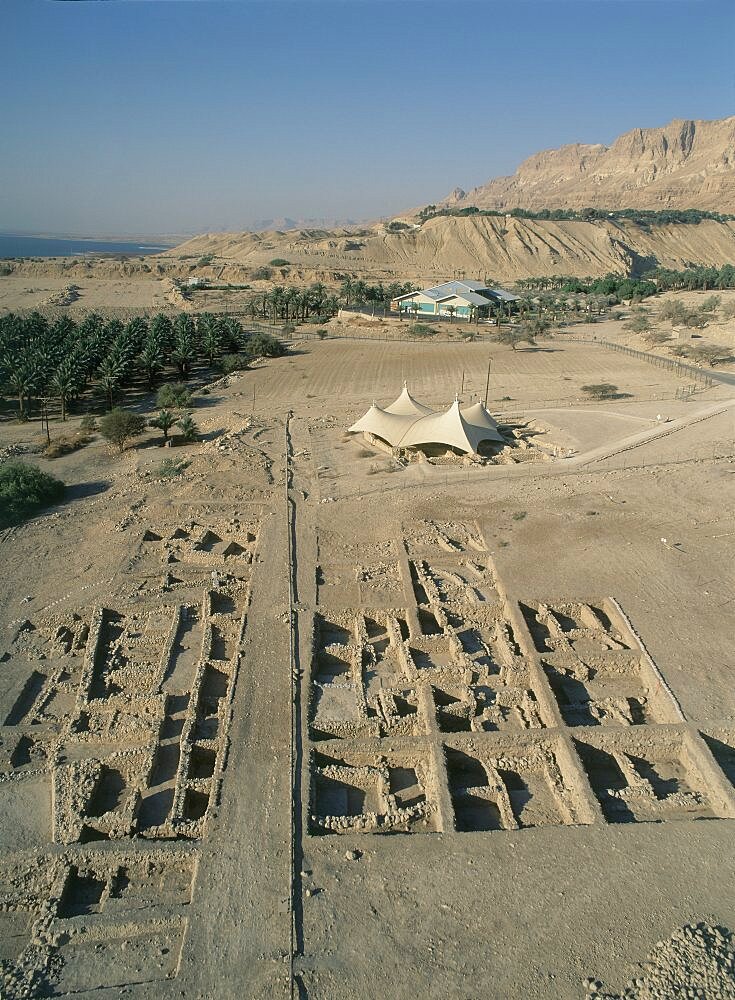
(686, 164)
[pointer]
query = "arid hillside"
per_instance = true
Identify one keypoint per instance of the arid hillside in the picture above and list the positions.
(685, 164)
(507, 249)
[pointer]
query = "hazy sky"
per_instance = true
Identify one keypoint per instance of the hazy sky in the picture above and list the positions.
(160, 116)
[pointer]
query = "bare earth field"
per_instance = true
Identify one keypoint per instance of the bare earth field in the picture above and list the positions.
(301, 723)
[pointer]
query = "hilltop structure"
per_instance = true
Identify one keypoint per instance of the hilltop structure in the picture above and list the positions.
(465, 299)
(406, 423)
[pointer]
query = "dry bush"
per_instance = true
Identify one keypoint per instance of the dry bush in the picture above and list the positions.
(66, 444)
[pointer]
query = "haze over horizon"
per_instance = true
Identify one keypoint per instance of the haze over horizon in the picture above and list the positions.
(183, 117)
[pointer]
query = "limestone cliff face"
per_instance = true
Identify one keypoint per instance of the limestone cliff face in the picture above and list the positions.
(686, 164)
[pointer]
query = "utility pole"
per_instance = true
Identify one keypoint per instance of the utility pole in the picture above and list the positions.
(44, 417)
(487, 384)
(461, 391)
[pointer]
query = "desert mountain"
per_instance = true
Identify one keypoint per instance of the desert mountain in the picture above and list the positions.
(686, 164)
(506, 249)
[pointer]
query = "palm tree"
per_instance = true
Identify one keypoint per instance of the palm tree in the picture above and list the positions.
(189, 429)
(164, 421)
(289, 299)
(150, 359)
(64, 383)
(20, 376)
(451, 310)
(109, 375)
(182, 355)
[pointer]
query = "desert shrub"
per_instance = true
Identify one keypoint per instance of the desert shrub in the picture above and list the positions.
(728, 311)
(600, 390)
(206, 259)
(519, 515)
(711, 304)
(230, 363)
(674, 311)
(120, 426)
(617, 314)
(88, 423)
(262, 274)
(279, 262)
(24, 490)
(176, 394)
(170, 468)
(322, 334)
(421, 330)
(288, 328)
(710, 354)
(640, 323)
(66, 444)
(5, 270)
(656, 337)
(695, 319)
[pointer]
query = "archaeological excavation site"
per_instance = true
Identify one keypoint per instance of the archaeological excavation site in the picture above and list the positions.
(285, 725)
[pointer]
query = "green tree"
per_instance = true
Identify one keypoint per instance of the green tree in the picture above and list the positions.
(512, 336)
(539, 326)
(174, 394)
(210, 339)
(189, 429)
(230, 363)
(120, 426)
(164, 421)
(600, 390)
(20, 375)
(150, 360)
(64, 383)
(263, 345)
(24, 490)
(109, 375)
(345, 290)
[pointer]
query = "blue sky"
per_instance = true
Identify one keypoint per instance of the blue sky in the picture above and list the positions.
(160, 116)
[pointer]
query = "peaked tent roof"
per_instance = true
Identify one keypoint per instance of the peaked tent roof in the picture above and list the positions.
(389, 426)
(406, 404)
(449, 428)
(478, 416)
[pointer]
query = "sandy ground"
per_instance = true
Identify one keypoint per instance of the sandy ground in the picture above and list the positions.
(22, 292)
(293, 724)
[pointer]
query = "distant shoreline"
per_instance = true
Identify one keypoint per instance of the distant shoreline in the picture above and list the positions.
(22, 246)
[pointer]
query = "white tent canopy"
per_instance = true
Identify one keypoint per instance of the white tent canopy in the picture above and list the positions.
(406, 404)
(391, 427)
(478, 416)
(407, 423)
